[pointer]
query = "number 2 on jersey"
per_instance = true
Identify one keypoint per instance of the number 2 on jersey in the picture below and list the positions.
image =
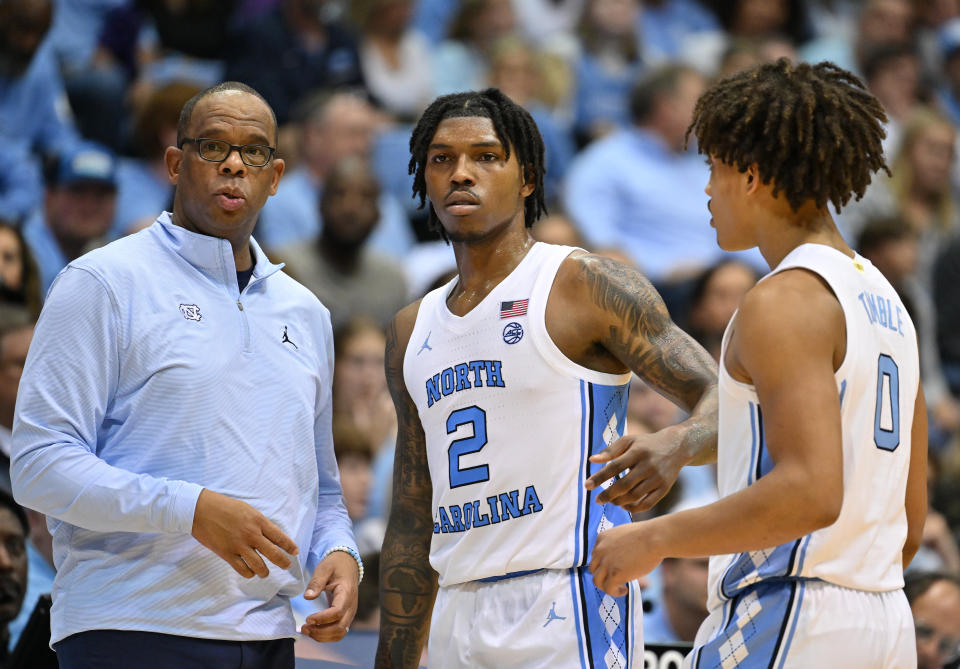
(477, 417)
(888, 404)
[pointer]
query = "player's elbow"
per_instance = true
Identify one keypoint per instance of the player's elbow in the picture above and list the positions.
(913, 540)
(817, 502)
(824, 504)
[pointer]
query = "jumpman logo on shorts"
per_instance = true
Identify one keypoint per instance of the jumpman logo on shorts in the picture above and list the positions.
(553, 615)
(426, 344)
(286, 339)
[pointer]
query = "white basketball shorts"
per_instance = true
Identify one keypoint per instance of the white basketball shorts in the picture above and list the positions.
(794, 624)
(549, 619)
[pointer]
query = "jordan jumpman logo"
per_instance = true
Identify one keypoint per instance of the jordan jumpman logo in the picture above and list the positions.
(553, 615)
(426, 344)
(286, 339)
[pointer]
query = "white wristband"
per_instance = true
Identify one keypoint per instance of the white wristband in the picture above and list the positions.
(354, 554)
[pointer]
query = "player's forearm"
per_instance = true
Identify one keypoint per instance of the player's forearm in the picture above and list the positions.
(408, 586)
(699, 441)
(910, 549)
(780, 507)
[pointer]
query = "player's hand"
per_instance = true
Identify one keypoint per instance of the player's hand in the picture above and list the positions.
(240, 534)
(654, 462)
(338, 576)
(622, 554)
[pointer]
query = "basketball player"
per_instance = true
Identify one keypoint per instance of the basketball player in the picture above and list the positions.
(823, 431)
(506, 381)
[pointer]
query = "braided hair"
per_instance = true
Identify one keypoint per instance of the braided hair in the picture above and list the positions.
(813, 130)
(514, 127)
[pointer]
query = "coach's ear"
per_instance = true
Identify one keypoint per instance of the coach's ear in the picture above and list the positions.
(173, 158)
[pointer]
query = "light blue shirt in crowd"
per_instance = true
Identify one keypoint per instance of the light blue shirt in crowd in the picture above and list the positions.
(44, 247)
(657, 627)
(630, 191)
(151, 377)
(666, 27)
(141, 194)
(35, 120)
(76, 29)
(293, 215)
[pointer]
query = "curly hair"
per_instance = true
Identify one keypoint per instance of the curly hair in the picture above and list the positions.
(813, 130)
(515, 129)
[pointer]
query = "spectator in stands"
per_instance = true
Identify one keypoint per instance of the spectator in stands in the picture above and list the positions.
(334, 126)
(78, 209)
(395, 58)
(41, 571)
(548, 23)
(879, 22)
(35, 118)
(935, 601)
(682, 604)
(758, 20)
(892, 246)
(338, 267)
(743, 53)
(298, 47)
(919, 190)
(946, 278)
(521, 72)
(670, 27)
(608, 64)
(556, 229)
(13, 565)
(715, 296)
(361, 399)
(892, 73)
(16, 331)
(949, 94)
(754, 19)
(638, 190)
(360, 395)
(143, 189)
(19, 277)
(462, 62)
(354, 461)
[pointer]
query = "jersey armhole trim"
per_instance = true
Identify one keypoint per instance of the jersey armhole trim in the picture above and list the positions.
(548, 349)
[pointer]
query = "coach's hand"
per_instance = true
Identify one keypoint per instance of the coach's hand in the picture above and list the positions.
(654, 462)
(240, 534)
(338, 576)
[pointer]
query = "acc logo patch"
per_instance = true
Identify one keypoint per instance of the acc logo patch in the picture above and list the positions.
(512, 333)
(191, 312)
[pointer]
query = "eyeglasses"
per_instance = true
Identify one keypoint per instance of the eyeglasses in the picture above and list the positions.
(216, 151)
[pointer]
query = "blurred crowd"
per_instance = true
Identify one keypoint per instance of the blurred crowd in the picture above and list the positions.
(90, 93)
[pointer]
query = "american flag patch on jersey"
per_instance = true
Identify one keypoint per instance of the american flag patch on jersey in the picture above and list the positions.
(513, 308)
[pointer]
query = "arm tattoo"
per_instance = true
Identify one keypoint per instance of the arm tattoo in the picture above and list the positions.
(643, 336)
(408, 584)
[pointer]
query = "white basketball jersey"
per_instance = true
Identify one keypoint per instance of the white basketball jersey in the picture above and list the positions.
(877, 383)
(509, 424)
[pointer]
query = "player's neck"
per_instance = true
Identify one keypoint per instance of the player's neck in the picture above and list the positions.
(483, 264)
(786, 231)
